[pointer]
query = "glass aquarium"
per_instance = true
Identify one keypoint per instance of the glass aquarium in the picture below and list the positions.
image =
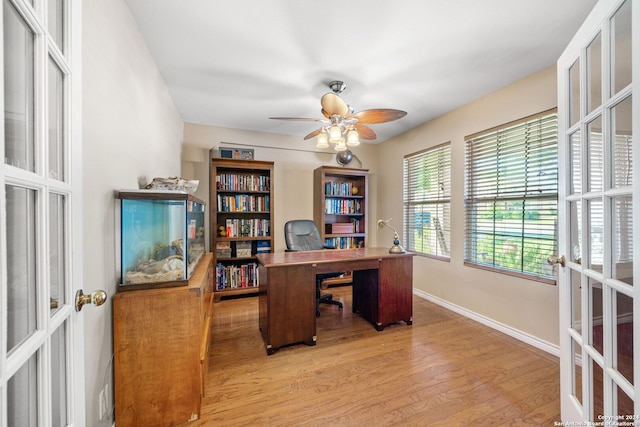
(161, 238)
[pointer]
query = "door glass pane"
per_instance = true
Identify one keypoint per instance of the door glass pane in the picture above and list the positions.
(623, 361)
(595, 301)
(598, 391)
(594, 73)
(22, 396)
(21, 267)
(622, 236)
(574, 95)
(56, 22)
(576, 301)
(595, 155)
(622, 52)
(576, 162)
(56, 122)
(625, 409)
(18, 90)
(577, 370)
(57, 258)
(575, 210)
(596, 242)
(622, 168)
(59, 377)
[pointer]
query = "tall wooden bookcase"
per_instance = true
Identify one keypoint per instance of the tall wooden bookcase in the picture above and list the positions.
(340, 205)
(241, 217)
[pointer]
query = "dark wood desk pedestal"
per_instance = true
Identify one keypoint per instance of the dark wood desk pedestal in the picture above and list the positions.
(382, 290)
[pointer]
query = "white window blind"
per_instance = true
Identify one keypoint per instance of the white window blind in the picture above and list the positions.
(511, 192)
(427, 195)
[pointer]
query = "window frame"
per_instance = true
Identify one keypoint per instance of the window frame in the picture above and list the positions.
(440, 200)
(479, 193)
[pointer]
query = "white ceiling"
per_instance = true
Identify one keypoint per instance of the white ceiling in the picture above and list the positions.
(235, 63)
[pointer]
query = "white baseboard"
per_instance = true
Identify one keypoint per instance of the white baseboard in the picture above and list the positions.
(512, 332)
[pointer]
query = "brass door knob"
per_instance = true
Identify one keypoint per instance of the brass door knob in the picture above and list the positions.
(96, 298)
(553, 260)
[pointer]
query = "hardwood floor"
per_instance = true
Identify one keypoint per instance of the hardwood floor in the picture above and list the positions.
(444, 370)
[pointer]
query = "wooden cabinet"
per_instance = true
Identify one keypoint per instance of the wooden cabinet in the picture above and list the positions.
(161, 341)
(241, 219)
(340, 205)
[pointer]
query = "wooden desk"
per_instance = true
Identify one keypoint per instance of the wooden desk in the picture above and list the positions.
(382, 290)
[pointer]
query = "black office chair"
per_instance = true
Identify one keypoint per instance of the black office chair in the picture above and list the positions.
(303, 235)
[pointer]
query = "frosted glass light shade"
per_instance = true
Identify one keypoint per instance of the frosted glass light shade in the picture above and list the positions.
(352, 138)
(340, 145)
(335, 134)
(322, 142)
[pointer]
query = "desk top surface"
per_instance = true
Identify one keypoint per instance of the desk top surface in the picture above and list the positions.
(277, 259)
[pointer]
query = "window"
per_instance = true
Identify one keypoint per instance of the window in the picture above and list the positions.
(427, 195)
(511, 197)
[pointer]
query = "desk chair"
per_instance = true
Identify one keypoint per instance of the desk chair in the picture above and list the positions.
(303, 235)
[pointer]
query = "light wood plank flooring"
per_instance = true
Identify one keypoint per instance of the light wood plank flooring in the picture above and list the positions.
(444, 370)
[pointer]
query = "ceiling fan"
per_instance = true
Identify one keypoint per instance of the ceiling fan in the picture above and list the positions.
(340, 120)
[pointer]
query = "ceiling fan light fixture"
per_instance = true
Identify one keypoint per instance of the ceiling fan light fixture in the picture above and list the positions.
(323, 141)
(340, 122)
(352, 138)
(335, 134)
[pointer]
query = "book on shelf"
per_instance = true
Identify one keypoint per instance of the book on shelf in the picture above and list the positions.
(243, 249)
(223, 249)
(242, 203)
(345, 242)
(236, 276)
(263, 246)
(333, 188)
(247, 227)
(343, 206)
(242, 182)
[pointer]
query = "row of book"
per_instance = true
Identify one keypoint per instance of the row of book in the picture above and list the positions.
(243, 203)
(340, 188)
(241, 249)
(345, 242)
(248, 227)
(343, 206)
(236, 276)
(242, 182)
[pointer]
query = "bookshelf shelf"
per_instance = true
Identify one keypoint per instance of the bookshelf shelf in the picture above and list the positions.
(241, 219)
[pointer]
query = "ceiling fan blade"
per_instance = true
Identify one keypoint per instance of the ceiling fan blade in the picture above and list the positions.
(378, 115)
(312, 134)
(333, 104)
(365, 132)
(298, 119)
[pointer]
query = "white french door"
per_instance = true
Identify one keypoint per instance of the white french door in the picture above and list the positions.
(598, 217)
(41, 346)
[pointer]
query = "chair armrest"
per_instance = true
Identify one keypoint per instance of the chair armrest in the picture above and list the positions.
(328, 247)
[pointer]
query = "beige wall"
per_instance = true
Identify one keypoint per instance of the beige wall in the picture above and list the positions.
(528, 306)
(294, 161)
(132, 132)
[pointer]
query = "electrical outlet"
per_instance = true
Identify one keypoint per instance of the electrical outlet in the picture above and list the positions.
(102, 410)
